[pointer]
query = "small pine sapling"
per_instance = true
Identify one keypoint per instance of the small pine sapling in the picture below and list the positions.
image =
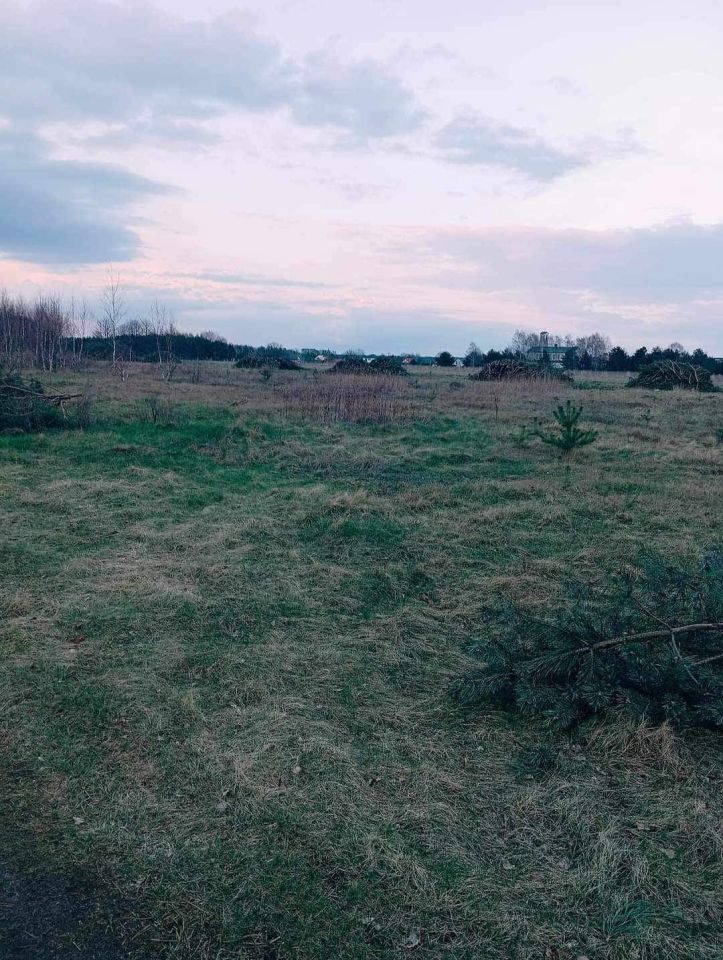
(569, 436)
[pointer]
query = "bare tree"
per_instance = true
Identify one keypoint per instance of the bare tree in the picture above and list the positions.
(164, 329)
(114, 310)
(79, 319)
(522, 341)
(597, 346)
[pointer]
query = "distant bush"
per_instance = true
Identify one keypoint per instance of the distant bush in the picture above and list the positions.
(650, 645)
(509, 369)
(672, 375)
(445, 359)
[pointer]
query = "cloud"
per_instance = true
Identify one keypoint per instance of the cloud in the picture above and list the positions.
(479, 141)
(151, 130)
(565, 86)
(638, 285)
(677, 260)
(115, 75)
(360, 99)
(257, 280)
(75, 61)
(132, 64)
(64, 212)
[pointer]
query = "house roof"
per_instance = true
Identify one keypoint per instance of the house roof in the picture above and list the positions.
(551, 346)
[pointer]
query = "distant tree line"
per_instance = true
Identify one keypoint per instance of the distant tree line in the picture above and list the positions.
(158, 347)
(593, 352)
(619, 359)
(47, 334)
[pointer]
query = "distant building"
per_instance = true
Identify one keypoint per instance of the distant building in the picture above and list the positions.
(556, 353)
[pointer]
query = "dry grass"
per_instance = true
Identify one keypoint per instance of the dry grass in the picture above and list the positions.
(350, 399)
(229, 637)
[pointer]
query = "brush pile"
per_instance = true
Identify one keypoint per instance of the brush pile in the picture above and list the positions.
(672, 375)
(25, 406)
(519, 370)
(388, 366)
(258, 361)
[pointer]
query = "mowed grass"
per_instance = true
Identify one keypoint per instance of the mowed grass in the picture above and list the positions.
(229, 638)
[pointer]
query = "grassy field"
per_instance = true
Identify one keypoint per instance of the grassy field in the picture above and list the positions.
(229, 633)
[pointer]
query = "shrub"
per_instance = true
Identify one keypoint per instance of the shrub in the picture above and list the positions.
(445, 359)
(519, 370)
(673, 374)
(650, 645)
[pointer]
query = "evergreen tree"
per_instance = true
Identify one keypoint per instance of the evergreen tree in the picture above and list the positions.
(445, 359)
(618, 359)
(569, 435)
(639, 358)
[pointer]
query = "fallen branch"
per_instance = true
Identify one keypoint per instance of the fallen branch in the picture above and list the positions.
(57, 399)
(648, 635)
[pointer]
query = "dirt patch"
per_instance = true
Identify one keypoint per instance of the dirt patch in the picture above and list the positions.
(52, 918)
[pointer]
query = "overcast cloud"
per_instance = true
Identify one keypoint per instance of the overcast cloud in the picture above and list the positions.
(474, 167)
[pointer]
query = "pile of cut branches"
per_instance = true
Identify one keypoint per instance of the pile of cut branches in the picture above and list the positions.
(257, 361)
(519, 370)
(650, 644)
(25, 406)
(389, 366)
(673, 374)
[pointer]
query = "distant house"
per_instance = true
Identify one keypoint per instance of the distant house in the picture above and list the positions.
(409, 360)
(555, 353)
(321, 358)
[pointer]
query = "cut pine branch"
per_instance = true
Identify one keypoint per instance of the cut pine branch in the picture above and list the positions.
(649, 635)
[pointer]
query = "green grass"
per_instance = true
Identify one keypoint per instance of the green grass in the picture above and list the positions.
(229, 641)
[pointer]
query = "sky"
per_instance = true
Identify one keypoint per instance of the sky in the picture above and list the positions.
(385, 175)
